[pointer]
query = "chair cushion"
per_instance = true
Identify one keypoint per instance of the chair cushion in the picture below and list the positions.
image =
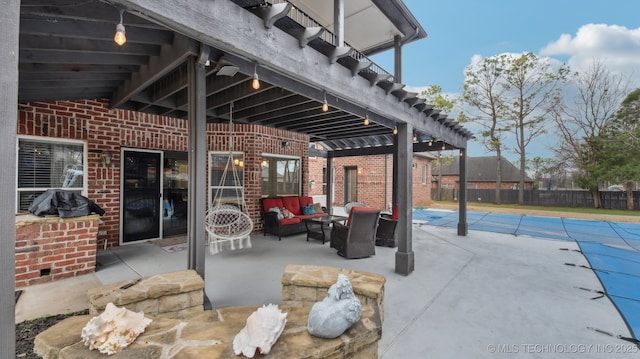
(358, 209)
(305, 201)
(268, 203)
(394, 213)
(292, 203)
(292, 220)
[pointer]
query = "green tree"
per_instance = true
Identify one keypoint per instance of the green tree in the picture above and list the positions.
(433, 95)
(533, 86)
(619, 157)
(586, 110)
(483, 93)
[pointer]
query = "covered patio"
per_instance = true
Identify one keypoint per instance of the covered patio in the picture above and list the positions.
(177, 63)
(457, 304)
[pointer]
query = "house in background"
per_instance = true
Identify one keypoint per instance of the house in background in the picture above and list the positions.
(368, 179)
(481, 174)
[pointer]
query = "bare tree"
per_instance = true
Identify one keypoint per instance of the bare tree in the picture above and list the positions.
(483, 93)
(533, 87)
(583, 115)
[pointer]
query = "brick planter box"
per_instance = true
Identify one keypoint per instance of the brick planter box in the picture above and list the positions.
(52, 248)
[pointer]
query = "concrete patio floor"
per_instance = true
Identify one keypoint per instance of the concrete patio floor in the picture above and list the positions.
(469, 297)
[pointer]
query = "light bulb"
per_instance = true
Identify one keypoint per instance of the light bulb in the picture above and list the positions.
(120, 38)
(325, 106)
(366, 121)
(395, 130)
(255, 83)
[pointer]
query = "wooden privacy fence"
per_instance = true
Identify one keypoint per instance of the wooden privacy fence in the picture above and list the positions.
(554, 198)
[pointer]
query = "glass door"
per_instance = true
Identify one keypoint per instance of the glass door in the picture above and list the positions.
(175, 193)
(350, 184)
(141, 196)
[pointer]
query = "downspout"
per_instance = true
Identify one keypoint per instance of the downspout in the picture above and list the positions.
(386, 180)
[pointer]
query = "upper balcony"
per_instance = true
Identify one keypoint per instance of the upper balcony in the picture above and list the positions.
(312, 21)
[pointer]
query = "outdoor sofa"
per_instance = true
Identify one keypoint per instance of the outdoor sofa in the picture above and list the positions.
(285, 223)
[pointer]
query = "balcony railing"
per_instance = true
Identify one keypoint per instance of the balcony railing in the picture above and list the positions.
(306, 21)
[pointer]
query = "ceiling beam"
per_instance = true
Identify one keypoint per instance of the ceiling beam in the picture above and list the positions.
(171, 56)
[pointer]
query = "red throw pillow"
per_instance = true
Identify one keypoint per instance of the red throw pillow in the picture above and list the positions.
(394, 214)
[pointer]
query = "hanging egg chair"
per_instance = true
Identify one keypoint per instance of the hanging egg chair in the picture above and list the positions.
(227, 224)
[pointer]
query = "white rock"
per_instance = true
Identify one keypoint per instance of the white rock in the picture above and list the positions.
(114, 329)
(263, 328)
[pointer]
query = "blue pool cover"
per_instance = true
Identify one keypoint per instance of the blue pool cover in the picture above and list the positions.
(611, 248)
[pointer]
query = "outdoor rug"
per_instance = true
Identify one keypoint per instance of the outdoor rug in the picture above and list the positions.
(172, 244)
(612, 249)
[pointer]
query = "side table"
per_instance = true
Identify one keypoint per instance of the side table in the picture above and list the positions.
(319, 227)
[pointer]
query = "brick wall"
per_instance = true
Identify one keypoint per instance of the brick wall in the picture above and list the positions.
(52, 248)
(106, 129)
(375, 180)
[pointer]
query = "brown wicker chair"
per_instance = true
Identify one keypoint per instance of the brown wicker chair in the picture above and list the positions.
(356, 240)
(386, 233)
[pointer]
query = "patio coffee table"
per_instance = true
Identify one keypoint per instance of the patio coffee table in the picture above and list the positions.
(319, 227)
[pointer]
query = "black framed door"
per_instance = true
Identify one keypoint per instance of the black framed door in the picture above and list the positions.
(141, 195)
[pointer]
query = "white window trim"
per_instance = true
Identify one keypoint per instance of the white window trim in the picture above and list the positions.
(57, 140)
(287, 157)
(214, 187)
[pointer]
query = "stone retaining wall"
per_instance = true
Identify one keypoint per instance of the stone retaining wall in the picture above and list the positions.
(174, 295)
(182, 333)
(50, 248)
(304, 285)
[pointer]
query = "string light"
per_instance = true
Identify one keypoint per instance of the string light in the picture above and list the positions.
(120, 37)
(366, 118)
(255, 83)
(395, 130)
(325, 104)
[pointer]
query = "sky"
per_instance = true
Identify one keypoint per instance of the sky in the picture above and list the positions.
(571, 31)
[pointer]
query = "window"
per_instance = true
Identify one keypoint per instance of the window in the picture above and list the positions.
(424, 174)
(324, 180)
(224, 187)
(312, 151)
(44, 163)
(280, 176)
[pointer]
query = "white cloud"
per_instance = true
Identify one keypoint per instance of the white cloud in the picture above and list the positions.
(617, 47)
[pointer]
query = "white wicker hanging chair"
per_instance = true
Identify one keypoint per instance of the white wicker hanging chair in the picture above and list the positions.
(228, 226)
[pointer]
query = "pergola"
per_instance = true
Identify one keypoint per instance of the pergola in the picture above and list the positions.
(190, 59)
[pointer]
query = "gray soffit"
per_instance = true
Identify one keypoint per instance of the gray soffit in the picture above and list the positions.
(67, 52)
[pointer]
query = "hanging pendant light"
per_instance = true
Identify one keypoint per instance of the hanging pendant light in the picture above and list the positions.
(255, 83)
(325, 104)
(120, 37)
